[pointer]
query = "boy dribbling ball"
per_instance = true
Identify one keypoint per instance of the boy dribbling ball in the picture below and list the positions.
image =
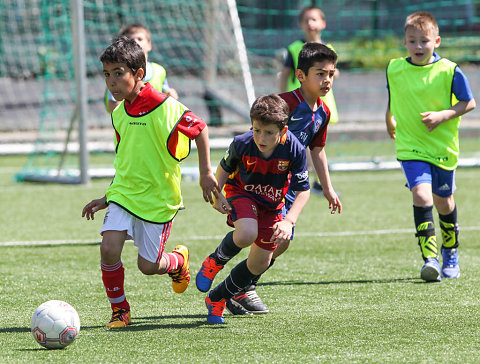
(152, 136)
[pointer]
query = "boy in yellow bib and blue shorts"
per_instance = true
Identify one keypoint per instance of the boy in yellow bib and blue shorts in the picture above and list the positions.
(427, 96)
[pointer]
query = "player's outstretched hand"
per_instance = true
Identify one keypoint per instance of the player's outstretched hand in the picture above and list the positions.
(334, 203)
(220, 203)
(94, 206)
(282, 232)
(209, 186)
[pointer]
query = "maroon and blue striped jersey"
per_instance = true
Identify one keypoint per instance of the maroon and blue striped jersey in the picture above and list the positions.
(310, 127)
(265, 180)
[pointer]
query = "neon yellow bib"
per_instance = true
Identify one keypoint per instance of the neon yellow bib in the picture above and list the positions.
(147, 162)
(292, 82)
(158, 77)
(416, 89)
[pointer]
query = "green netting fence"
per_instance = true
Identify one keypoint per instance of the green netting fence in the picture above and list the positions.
(197, 43)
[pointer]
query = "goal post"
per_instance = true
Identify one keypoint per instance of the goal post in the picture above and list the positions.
(199, 43)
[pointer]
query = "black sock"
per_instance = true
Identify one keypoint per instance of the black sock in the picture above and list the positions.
(449, 226)
(422, 214)
(239, 277)
(226, 250)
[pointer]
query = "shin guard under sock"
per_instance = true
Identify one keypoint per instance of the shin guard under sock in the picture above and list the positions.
(425, 227)
(449, 227)
(239, 277)
(226, 250)
(113, 276)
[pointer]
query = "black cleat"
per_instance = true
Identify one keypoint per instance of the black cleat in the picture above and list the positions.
(236, 309)
(250, 301)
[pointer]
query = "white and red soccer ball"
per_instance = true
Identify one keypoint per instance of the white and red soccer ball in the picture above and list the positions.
(55, 324)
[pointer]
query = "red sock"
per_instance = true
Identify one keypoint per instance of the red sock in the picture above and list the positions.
(175, 260)
(113, 276)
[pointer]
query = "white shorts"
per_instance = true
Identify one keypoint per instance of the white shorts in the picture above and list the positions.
(149, 238)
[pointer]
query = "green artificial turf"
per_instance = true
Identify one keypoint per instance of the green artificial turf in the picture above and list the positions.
(347, 290)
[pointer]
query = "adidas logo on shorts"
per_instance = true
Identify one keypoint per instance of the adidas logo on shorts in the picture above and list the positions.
(445, 187)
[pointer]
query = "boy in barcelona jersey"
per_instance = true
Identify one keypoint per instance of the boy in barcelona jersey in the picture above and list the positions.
(256, 172)
(308, 121)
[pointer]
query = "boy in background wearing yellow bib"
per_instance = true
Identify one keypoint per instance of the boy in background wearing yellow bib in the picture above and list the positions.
(427, 96)
(153, 133)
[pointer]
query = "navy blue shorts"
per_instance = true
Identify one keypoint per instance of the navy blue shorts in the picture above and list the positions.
(442, 181)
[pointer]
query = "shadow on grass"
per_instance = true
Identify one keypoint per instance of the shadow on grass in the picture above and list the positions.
(50, 245)
(137, 324)
(358, 281)
(12, 330)
(148, 323)
(31, 349)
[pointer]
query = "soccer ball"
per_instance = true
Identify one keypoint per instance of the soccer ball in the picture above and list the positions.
(55, 324)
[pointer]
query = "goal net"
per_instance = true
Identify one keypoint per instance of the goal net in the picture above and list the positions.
(199, 43)
(212, 56)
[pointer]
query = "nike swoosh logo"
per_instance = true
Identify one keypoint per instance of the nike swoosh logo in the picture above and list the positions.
(265, 242)
(295, 119)
(250, 163)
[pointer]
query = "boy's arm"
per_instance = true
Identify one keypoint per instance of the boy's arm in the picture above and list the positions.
(320, 163)
(173, 93)
(432, 119)
(94, 206)
(391, 123)
(284, 74)
(208, 183)
(220, 203)
(282, 230)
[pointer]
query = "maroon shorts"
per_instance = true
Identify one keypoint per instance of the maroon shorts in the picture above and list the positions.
(245, 208)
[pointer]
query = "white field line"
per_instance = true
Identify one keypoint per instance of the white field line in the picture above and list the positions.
(306, 235)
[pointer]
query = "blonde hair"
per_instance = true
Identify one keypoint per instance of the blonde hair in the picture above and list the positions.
(423, 21)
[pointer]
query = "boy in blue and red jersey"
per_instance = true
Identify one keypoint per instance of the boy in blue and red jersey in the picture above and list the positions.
(256, 173)
(308, 120)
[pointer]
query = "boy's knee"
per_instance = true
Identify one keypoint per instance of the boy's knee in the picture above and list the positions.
(109, 253)
(111, 246)
(444, 205)
(245, 238)
(422, 196)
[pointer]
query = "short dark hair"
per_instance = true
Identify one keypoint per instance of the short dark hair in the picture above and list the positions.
(125, 50)
(314, 52)
(270, 109)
